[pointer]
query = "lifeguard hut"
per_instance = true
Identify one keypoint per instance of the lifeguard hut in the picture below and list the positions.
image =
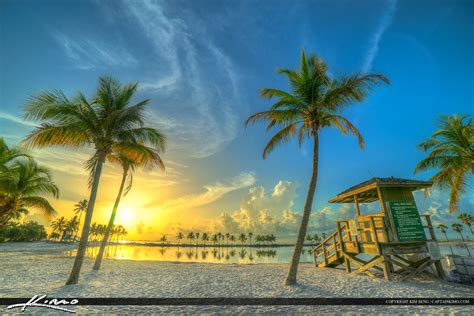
(396, 240)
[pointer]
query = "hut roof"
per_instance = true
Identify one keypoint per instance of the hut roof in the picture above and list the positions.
(367, 191)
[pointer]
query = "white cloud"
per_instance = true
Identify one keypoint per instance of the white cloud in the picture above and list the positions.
(377, 35)
(88, 54)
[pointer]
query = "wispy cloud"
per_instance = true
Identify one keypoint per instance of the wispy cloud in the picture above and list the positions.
(88, 54)
(194, 74)
(211, 193)
(16, 119)
(377, 35)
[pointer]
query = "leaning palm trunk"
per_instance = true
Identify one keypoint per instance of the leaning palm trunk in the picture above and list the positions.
(291, 277)
(77, 230)
(81, 251)
(98, 260)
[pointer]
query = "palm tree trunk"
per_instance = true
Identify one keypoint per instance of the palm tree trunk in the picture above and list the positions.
(98, 260)
(291, 277)
(450, 248)
(81, 251)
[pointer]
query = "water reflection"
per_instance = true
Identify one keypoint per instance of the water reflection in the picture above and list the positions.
(198, 254)
(215, 254)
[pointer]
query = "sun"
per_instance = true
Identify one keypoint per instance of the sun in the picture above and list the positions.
(126, 216)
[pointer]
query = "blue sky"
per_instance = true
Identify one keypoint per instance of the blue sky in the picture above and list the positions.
(202, 64)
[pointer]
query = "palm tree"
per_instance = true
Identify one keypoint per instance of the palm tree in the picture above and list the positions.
(59, 226)
(197, 237)
(443, 228)
(227, 236)
(24, 188)
(467, 220)
(179, 237)
(232, 239)
(219, 236)
(9, 155)
(108, 123)
(452, 152)
(214, 239)
(242, 238)
(458, 228)
(71, 227)
(191, 237)
(309, 238)
(205, 238)
(54, 235)
(128, 166)
(313, 104)
(79, 208)
(250, 234)
(163, 239)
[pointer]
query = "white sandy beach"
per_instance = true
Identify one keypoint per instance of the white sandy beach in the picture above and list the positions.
(40, 268)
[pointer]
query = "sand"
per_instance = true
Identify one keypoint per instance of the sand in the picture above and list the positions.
(41, 268)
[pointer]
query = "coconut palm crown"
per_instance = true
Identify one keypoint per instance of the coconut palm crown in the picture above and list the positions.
(451, 151)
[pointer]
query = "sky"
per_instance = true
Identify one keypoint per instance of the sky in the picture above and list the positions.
(202, 64)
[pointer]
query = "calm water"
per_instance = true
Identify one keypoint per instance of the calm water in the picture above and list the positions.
(217, 254)
(199, 254)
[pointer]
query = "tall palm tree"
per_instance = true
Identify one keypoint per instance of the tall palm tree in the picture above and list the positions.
(72, 227)
(108, 123)
(250, 234)
(458, 228)
(466, 219)
(227, 236)
(8, 155)
(452, 153)
(128, 166)
(24, 188)
(79, 208)
(179, 237)
(443, 228)
(232, 239)
(214, 239)
(314, 103)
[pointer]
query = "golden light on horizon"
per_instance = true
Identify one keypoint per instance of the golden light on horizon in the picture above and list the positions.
(126, 216)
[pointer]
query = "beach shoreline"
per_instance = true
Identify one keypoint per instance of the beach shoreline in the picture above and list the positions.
(129, 278)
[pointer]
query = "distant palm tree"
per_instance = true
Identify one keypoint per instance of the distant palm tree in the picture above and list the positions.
(232, 239)
(219, 237)
(59, 226)
(309, 238)
(191, 237)
(180, 237)
(24, 188)
(71, 227)
(458, 228)
(79, 208)
(314, 103)
(250, 234)
(108, 123)
(227, 236)
(197, 237)
(163, 239)
(323, 236)
(214, 239)
(467, 219)
(205, 238)
(443, 228)
(452, 152)
(242, 238)
(54, 235)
